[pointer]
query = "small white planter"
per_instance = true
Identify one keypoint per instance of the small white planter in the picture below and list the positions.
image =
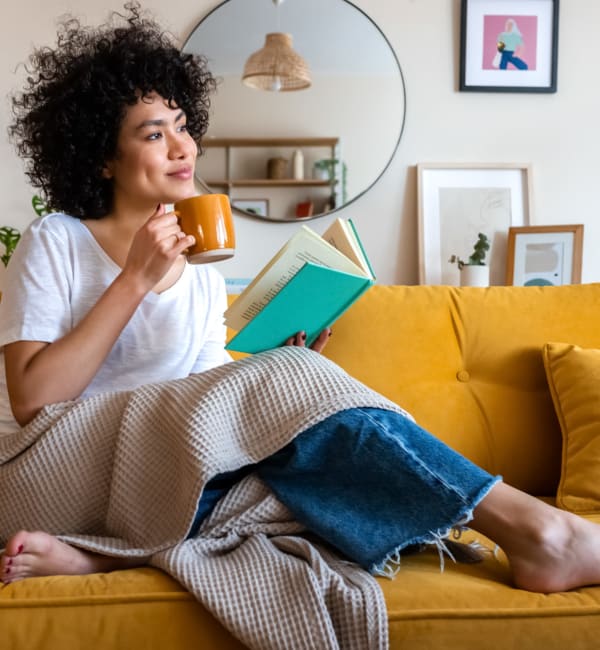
(475, 276)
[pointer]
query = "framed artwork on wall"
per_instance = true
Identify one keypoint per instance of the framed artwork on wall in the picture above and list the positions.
(259, 207)
(509, 46)
(456, 202)
(544, 255)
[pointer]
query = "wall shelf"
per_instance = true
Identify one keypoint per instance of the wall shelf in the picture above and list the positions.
(268, 182)
(270, 142)
(230, 144)
(243, 162)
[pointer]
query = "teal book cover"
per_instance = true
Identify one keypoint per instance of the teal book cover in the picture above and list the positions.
(311, 301)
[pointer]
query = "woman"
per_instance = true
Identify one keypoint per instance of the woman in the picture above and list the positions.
(109, 125)
(511, 46)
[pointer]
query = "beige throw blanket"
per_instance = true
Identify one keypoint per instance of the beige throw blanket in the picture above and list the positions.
(122, 473)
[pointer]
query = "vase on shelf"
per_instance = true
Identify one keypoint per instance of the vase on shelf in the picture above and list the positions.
(276, 168)
(298, 165)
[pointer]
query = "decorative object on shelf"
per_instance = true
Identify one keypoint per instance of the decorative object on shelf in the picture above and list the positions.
(257, 207)
(277, 168)
(298, 165)
(458, 200)
(276, 66)
(502, 51)
(474, 272)
(324, 169)
(329, 169)
(304, 209)
(544, 255)
(329, 205)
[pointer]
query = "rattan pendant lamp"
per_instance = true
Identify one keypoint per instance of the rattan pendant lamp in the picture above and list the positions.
(276, 67)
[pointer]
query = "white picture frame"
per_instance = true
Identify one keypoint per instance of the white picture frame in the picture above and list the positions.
(256, 207)
(456, 201)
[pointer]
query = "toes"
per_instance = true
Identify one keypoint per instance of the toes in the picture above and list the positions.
(16, 544)
(6, 570)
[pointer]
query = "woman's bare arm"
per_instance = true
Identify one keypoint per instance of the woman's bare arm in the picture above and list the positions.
(40, 373)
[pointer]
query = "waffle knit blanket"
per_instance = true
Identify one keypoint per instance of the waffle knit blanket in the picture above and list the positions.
(122, 473)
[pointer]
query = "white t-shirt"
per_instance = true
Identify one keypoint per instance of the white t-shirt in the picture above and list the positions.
(59, 271)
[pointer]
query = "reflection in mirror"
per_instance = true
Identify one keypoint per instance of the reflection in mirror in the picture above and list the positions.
(299, 155)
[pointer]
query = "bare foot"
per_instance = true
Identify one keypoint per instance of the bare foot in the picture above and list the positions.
(566, 555)
(548, 549)
(29, 554)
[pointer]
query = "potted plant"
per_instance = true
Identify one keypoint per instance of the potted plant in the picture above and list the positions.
(474, 272)
(40, 207)
(326, 169)
(10, 238)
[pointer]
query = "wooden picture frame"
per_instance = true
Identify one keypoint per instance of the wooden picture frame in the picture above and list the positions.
(456, 201)
(544, 255)
(490, 27)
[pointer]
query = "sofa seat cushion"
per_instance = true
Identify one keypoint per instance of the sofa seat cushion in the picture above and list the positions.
(476, 606)
(137, 608)
(465, 606)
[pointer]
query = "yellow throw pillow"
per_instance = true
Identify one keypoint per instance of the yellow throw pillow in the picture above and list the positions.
(573, 375)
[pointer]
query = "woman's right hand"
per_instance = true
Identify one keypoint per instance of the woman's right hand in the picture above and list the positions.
(33, 366)
(155, 247)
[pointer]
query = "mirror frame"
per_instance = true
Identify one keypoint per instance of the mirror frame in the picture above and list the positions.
(402, 114)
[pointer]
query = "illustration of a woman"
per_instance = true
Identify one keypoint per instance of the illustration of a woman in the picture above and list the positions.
(510, 44)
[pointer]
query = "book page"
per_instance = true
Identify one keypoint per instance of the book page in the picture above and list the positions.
(305, 246)
(341, 235)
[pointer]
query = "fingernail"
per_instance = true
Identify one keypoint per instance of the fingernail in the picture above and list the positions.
(20, 549)
(7, 570)
(330, 332)
(9, 562)
(303, 336)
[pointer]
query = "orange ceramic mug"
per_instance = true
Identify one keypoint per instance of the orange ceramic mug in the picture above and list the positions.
(208, 218)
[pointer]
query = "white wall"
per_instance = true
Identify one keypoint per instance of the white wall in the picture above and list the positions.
(557, 133)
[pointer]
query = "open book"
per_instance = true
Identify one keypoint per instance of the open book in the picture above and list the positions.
(306, 286)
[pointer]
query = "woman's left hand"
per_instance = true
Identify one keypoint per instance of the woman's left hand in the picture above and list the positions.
(299, 340)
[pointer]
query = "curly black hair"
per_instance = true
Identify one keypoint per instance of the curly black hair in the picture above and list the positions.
(67, 119)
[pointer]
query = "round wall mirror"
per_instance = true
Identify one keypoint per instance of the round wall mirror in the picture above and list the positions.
(285, 155)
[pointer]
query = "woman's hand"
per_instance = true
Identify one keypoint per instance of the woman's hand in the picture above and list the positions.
(32, 366)
(299, 340)
(155, 247)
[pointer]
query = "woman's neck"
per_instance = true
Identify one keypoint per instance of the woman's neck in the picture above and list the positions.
(115, 232)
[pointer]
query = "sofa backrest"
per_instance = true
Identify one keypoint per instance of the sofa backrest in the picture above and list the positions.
(467, 363)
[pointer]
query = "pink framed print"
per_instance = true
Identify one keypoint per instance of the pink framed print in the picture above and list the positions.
(509, 45)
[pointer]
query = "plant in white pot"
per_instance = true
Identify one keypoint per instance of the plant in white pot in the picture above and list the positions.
(474, 272)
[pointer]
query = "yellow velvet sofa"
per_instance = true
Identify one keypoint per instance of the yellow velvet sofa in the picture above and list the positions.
(475, 368)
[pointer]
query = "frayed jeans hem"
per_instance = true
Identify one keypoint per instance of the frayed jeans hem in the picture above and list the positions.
(389, 566)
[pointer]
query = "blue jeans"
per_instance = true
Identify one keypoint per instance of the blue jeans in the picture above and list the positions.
(370, 482)
(509, 57)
